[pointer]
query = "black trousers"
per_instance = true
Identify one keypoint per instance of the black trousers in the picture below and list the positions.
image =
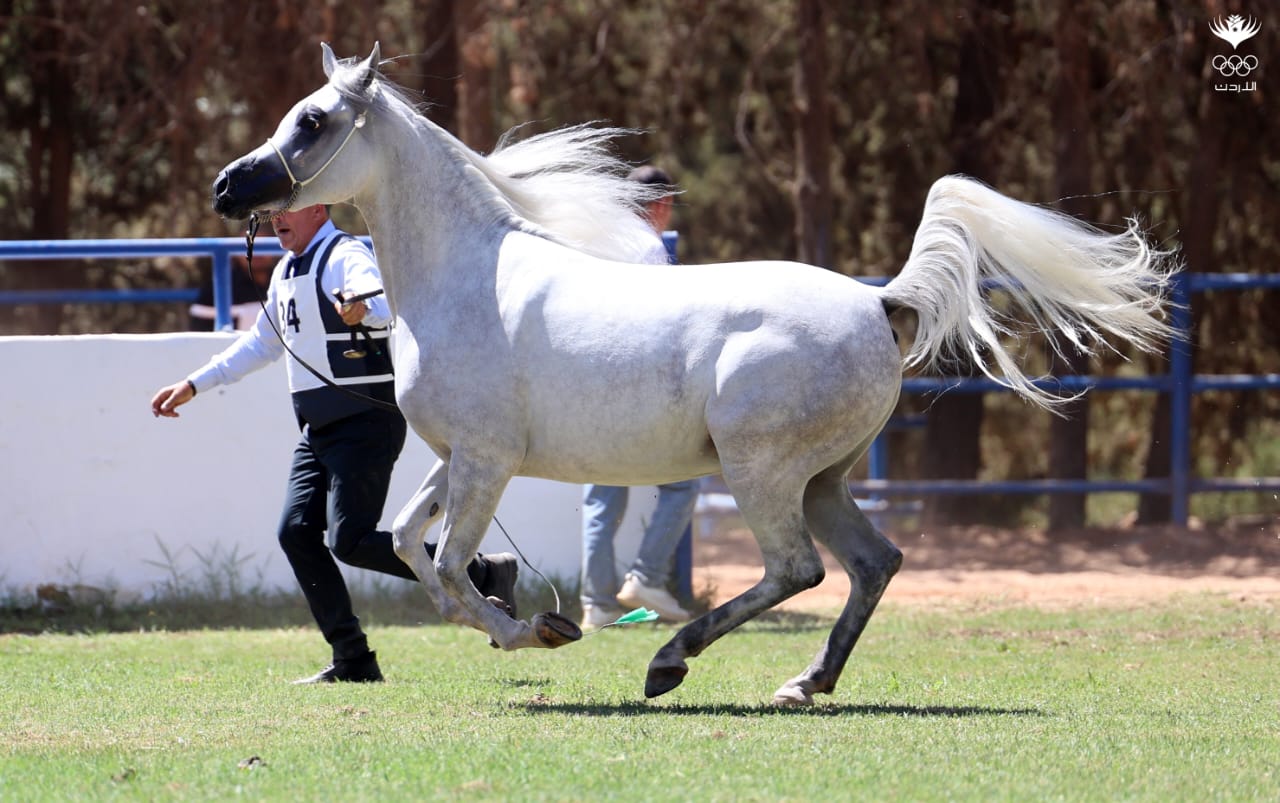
(338, 482)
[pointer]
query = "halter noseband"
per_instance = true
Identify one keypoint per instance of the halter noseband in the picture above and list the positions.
(298, 185)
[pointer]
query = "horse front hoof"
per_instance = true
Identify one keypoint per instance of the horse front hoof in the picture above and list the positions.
(554, 630)
(662, 679)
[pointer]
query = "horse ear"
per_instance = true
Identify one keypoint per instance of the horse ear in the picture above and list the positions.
(369, 68)
(327, 59)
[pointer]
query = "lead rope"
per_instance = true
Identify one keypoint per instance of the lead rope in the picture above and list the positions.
(526, 562)
(254, 223)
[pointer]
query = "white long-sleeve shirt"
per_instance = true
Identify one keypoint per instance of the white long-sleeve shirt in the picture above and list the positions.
(350, 268)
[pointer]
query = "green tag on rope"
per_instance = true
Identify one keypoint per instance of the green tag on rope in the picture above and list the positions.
(634, 617)
(638, 615)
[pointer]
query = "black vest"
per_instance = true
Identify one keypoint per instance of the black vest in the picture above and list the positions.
(324, 405)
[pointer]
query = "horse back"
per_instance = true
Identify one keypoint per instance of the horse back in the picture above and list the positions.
(622, 368)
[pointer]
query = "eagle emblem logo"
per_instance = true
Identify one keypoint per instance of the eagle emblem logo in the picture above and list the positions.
(1235, 30)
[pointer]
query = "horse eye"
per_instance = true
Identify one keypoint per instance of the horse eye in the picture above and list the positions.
(310, 122)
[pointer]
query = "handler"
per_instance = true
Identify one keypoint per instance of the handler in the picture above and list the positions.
(342, 464)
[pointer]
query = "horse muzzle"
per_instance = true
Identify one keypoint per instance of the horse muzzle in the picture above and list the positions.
(255, 181)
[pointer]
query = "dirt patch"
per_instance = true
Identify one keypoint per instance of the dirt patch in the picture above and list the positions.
(970, 565)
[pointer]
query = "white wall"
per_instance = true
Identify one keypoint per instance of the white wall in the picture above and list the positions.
(95, 490)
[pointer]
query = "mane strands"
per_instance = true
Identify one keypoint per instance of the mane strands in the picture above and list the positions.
(566, 184)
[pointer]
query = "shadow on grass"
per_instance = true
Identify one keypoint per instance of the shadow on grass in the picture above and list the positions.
(824, 710)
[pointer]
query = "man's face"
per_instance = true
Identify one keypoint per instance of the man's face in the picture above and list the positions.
(295, 229)
(658, 214)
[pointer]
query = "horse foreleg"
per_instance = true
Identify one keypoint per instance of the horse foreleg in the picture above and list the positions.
(867, 557)
(409, 533)
(474, 493)
(791, 565)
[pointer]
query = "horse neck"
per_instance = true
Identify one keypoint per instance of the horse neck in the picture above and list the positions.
(438, 225)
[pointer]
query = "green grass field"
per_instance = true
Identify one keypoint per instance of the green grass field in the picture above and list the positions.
(1173, 702)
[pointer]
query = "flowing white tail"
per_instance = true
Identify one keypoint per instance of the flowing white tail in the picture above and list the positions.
(1067, 276)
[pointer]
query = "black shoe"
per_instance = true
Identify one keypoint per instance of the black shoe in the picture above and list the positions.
(500, 579)
(347, 670)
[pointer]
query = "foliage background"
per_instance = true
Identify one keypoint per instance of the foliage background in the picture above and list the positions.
(797, 128)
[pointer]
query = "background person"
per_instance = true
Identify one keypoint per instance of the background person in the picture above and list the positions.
(603, 506)
(348, 446)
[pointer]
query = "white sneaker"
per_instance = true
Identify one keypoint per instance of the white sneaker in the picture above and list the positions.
(635, 594)
(594, 618)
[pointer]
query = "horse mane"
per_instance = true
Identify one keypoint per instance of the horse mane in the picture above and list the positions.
(566, 184)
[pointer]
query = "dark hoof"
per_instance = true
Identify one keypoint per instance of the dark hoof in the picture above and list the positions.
(662, 680)
(554, 630)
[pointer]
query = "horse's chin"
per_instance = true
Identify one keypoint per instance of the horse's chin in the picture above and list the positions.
(228, 211)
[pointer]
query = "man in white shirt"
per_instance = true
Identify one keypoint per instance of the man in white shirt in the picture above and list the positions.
(352, 432)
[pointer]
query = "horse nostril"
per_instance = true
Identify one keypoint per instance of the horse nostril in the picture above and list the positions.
(220, 184)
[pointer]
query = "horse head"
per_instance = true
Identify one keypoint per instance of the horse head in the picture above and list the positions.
(299, 164)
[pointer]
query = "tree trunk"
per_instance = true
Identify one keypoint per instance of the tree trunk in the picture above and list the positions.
(952, 448)
(1068, 436)
(475, 51)
(812, 137)
(1200, 218)
(440, 66)
(50, 157)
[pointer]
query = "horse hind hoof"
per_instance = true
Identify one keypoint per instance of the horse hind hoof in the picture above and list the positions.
(792, 697)
(555, 630)
(502, 605)
(662, 679)
(505, 608)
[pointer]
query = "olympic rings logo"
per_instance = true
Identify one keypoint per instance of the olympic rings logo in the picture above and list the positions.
(1235, 65)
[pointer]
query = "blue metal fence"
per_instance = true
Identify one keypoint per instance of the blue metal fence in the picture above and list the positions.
(1179, 382)
(218, 249)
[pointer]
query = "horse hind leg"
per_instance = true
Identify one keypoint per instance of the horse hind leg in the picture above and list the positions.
(869, 559)
(773, 511)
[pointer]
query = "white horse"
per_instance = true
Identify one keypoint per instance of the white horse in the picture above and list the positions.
(522, 348)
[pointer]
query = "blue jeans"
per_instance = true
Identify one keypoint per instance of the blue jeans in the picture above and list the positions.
(603, 507)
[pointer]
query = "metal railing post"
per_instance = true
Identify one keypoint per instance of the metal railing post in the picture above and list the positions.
(1180, 390)
(683, 560)
(222, 291)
